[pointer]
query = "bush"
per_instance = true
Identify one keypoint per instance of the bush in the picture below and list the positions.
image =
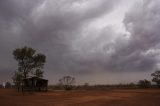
(144, 83)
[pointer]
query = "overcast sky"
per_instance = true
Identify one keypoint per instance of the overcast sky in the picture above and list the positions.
(96, 41)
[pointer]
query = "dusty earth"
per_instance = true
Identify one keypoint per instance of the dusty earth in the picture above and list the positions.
(118, 97)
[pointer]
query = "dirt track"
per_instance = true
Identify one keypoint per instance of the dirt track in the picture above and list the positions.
(133, 97)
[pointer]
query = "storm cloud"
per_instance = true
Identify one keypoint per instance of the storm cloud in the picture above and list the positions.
(82, 37)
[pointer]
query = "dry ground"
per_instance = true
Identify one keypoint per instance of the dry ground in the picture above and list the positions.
(118, 97)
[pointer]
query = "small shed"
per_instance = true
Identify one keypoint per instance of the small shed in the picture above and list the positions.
(35, 83)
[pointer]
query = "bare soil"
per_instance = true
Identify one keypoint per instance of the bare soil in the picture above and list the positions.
(117, 97)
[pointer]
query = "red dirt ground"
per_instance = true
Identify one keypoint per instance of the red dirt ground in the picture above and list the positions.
(118, 97)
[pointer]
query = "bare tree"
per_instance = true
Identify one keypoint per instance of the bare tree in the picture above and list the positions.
(67, 82)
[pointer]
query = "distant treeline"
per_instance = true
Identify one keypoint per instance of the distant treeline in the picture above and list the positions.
(102, 87)
(86, 86)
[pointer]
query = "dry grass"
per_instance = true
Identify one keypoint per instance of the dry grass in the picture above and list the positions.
(119, 97)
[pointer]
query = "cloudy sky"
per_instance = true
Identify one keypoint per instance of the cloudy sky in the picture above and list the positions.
(96, 41)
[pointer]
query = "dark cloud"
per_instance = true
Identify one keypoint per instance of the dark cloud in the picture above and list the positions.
(49, 26)
(63, 31)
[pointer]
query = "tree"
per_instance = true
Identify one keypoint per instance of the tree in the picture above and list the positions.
(156, 77)
(67, 82)
(132, 85)
(8, 85)
(144, 83)
(86, 84)
(29, 63)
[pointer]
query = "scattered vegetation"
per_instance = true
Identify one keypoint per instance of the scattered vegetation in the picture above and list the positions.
(67, 82)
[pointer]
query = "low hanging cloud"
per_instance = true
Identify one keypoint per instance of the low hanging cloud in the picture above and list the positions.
(46, 25)
(64, 31)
